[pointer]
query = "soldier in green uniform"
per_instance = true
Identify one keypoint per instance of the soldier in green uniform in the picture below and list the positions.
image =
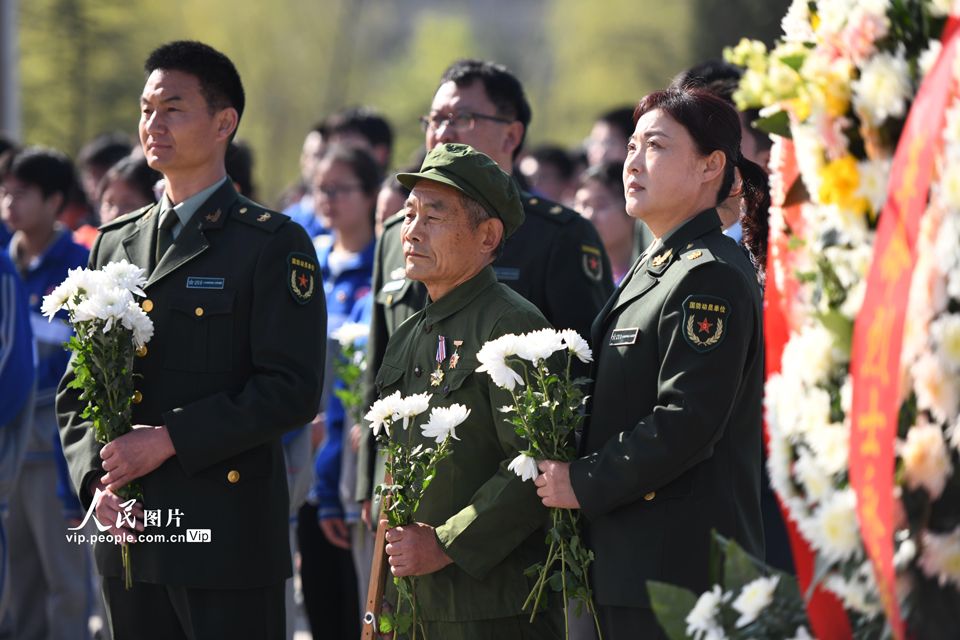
(672, 445)
(236, 360)
(478, 526)
(555, 259)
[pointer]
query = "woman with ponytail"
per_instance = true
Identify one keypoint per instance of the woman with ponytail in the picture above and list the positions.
(671, 448)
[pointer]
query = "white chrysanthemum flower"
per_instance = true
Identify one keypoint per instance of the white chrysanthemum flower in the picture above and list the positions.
(937, 389)
(754, 598)
(535, 346)
(814, 479)
(57, 299)
(833, 16)
(702, 620)
(126, 276)
(884, 86)
(814, 411)
(577, 345)
(810, 354)
(492, 357)
(810, 156)
(929, 57)
(846, 395)
(831, 445)
(940, 8)
(111, 304)
(383, 412)
(833, 529)
(855, 595)
(940, 558)
(949, 186)
(138, 322)
(349, 332)
(444, 421)
(796, 23)
(525, 467)
(905, 553)
(926, 462)
(802, 634)
(778, 465)
(413, 405)
(874, 175)
(945, 332)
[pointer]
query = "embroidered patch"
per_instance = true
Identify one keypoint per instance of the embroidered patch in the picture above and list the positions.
(706, 320)
(197, 282)
(592, 264)
(302, 276)
(624, 337)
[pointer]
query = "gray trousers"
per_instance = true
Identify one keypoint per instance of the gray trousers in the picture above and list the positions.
(51, 588)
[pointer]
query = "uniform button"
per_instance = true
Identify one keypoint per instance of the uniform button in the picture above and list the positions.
(199, 312)
(142, 351)
(650, 496)
(428, 328)
(137, 397)
(390, 299)
(417, 371)
(446, 388)
(147, 305)
(233, 476)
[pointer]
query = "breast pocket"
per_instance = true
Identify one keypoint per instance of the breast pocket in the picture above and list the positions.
(201, 333)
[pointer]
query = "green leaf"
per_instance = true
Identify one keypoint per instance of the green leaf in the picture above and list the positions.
(738, 567)
(840, 327)
(386, 623)
(777, 124)
(671, 605)
(794, 61)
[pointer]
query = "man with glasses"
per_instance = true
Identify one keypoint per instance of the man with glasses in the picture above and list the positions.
(555, 259)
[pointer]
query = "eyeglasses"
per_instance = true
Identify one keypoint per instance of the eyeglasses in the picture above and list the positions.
(332, 193)
(465, 121)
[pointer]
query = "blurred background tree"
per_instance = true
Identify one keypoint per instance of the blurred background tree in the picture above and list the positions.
(80, 60)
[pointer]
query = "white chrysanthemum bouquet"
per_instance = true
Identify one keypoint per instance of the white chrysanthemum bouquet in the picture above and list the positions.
(546, 411)
(348, 369)
(109, 326)
(411, 467)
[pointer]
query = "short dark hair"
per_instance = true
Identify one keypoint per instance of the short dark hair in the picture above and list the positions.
(104, 151)
(620, 119)
(239, 167)
(502, 87)
(362, 120)
(6, 144)
(609, 174)
(135, 172)
(47, 169)
(219, 81)
(555, 156)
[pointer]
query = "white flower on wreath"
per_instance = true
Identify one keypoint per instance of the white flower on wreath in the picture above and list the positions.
(816, 482)
(874, 175)
(940, 8)
(856, 594)
(831, 445)
(883, 87)
(443, 421)
(796, 23)
(810, 354)
(926, 462)
(492, 357)
(702, 622)
(937, 389)
(929, 57)
(945, 332)
(525, 467)
(754, 598)
(940, 558)
(802, 634)
(948, 188)
(833, 529)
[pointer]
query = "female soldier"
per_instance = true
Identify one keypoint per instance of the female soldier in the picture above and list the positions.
(672, 446)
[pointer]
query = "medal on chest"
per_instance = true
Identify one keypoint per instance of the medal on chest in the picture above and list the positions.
(455, 358)
(436, 378)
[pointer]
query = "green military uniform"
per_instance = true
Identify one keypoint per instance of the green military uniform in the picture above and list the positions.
(672, 443)
(235, 361)
(555, 259)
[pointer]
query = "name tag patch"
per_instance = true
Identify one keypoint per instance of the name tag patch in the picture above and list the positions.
(196, 282)
(507, 274)
(393, 285)
(623, 337)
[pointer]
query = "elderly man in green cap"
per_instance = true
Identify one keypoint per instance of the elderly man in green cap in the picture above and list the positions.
(479, 526)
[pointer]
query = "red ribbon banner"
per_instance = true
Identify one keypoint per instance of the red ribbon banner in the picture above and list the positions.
(878, 331)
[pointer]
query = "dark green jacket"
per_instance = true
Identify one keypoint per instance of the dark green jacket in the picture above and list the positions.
(235, 361)
(672, 445)
(488, 521)
(555, 259)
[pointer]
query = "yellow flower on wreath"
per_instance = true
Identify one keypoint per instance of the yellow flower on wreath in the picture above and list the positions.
(840, 185)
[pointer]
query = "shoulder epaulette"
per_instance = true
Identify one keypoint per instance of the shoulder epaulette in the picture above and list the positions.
(535, 205)
(696, 254)
(258, 216)
(126, 218)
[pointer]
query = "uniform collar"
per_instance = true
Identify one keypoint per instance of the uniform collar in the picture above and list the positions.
(675, 240)
(460, 297)
(188, 207)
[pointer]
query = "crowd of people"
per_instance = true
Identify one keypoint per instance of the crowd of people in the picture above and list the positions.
(231, 392)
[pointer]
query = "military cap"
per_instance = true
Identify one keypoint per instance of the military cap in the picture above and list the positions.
(475, 175)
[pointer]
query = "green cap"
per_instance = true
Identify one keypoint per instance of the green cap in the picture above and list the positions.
(475, 175)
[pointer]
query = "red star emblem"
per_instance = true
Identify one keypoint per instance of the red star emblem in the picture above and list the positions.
(705, 325)
(593, 263)
(302, 281)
